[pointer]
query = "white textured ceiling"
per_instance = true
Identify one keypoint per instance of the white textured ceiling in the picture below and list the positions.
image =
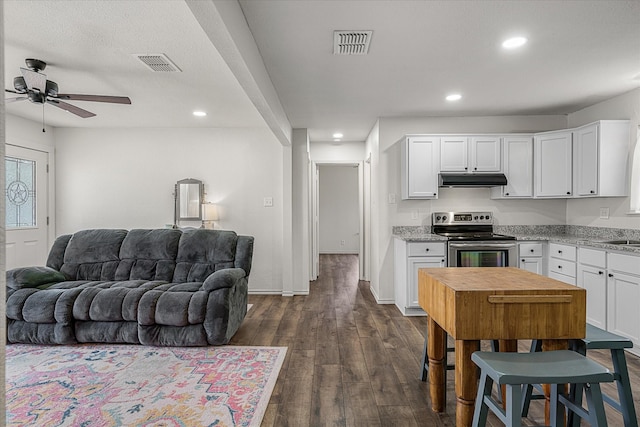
(579, 53)
(88, 46)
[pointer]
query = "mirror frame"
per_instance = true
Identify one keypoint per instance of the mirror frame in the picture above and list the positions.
(200, 199)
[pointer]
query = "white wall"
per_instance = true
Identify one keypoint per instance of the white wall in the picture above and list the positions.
(386, 180)
(337, 151)
(339, 211)
(587, 211)
(301, 215)
(124, 178)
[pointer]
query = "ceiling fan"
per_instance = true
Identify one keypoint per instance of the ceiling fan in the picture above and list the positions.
(34, 86)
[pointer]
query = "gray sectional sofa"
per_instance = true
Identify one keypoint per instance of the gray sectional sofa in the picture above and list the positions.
(163, 287)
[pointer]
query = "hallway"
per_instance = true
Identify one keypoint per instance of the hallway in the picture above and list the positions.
(352, 362)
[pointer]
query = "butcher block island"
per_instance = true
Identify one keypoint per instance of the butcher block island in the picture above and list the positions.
(492, 303)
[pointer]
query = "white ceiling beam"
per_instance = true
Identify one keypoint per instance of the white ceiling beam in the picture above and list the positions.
(225, 25)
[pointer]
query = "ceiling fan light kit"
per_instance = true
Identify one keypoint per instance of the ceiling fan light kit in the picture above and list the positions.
(34, 86)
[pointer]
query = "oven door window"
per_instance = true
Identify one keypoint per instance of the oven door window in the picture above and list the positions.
(482, 258)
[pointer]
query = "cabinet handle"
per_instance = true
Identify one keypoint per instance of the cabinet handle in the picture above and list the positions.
(475, 169)
(560, 267)
(559, 252)
(592, 192)
(442, 260)
(600, 272)
(569, 192)
(426, 250)
(506, 194)
(523, 261)
(531, 250)
(610, 275)
(466, 168)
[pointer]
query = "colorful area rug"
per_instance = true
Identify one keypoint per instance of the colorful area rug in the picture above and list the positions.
(131, 385)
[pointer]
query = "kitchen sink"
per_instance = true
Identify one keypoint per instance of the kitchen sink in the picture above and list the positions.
(622, 242)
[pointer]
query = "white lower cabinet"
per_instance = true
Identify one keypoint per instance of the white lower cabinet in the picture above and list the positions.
(592, 276)
(530, 257)
(409, 257)
(623, 297)
(562, 262)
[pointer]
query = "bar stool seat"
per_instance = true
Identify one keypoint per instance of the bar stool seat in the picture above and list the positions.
(515, 370)
(597, 338)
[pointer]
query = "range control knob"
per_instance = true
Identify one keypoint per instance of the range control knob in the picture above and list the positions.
(481, 217)
(438, 218)
(444, 218)
(475, 217)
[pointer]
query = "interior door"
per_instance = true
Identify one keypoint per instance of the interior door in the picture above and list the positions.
(26, 196)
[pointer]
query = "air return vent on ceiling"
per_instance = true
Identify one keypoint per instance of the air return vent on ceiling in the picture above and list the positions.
(158, 62)
(351, 42)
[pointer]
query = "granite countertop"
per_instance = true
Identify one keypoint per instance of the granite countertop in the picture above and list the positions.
(572, 235)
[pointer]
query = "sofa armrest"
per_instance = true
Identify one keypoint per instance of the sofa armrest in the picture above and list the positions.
(32, 277)
(224, 278)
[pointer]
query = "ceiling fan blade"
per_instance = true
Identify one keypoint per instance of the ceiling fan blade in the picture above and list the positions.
(16, 99)
(70, 108)
(95, 98)
(34, 80)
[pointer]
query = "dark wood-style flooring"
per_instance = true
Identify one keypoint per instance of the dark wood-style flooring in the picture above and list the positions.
(352, 362)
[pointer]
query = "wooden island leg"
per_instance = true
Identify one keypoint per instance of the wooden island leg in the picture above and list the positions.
(436, 352)
(466, 382)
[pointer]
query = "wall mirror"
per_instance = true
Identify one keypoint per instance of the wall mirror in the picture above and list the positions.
(189, 196)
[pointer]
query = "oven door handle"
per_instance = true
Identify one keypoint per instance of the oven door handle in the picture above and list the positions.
(482, 245)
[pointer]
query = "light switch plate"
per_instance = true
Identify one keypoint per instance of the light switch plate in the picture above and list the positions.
(604, 213)
(392, 198)
(268, 202)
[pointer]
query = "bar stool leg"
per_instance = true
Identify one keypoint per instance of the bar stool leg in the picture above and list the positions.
(513, 398)
(624, 388)
(597, 416)
(482, 410)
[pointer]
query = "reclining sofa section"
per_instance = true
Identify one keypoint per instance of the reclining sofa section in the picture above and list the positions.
(161, 287)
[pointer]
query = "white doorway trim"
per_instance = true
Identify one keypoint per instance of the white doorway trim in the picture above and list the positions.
(314, 229)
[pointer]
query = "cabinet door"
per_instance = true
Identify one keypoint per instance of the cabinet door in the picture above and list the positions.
(453, 154)
(594, 281)
(552, 165)
(422, 158)
(623, 316)
(586, 161)
(414, 264)
(518, 167)
(533, 265)
(485, 154)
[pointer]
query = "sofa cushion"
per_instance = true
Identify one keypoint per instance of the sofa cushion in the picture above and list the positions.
(93, 254)
(148, 255)
(201, 252)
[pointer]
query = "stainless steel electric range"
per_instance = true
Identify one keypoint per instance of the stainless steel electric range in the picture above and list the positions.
(472, 242)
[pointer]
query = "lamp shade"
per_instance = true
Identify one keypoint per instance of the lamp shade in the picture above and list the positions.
(209, 212)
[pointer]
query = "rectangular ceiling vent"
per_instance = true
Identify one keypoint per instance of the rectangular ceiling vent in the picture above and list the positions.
(158, 62)
(351, 42)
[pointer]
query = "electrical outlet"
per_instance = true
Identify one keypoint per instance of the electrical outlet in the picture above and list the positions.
(268, 202)
(342, 242)
(414, 214)
(392, 198)
(604, 213)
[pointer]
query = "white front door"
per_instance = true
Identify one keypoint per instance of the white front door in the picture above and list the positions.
(26, 196)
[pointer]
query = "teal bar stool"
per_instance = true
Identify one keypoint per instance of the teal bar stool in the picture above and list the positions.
(516, 370)
(597, 338)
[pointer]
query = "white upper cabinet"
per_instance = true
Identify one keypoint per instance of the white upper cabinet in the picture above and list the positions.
(454, 154)
(470, 154)
(485, 154)
(552, 161)
(517, 160)
(420, 160)
(600, 159)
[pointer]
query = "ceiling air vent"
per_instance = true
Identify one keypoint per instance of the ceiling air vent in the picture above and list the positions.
(351, 42)
(158, 62)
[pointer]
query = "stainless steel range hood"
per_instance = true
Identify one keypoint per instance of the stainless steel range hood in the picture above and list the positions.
(471, 180)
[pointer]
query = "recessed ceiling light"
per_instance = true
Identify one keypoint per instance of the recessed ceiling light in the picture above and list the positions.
(454, 97)
(338, 135)
(199, 113)
(514, 42)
